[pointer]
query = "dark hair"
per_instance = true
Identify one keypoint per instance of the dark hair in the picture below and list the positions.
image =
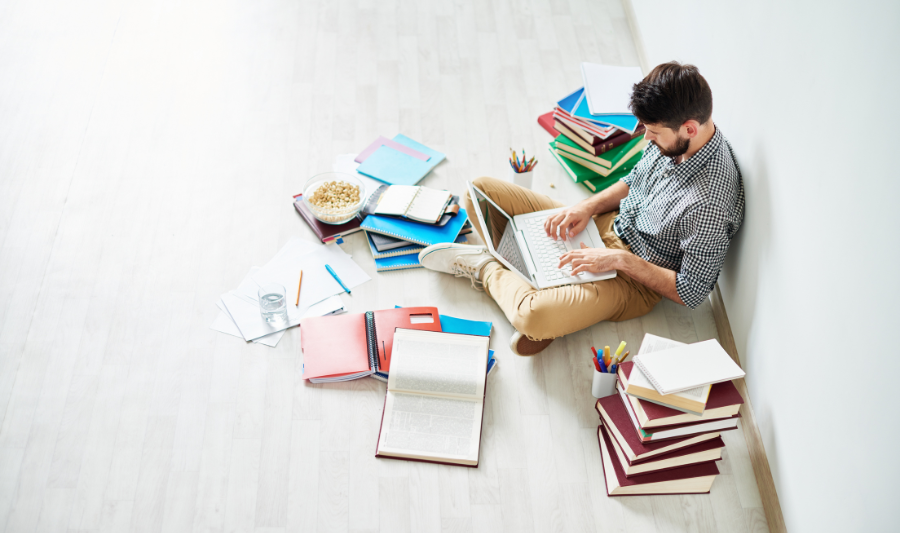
(671, 95)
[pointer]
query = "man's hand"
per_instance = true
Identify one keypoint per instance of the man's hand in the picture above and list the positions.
(571, 220)
(593, 259)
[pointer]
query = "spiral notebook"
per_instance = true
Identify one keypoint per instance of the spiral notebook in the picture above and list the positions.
(414, 232)
(687, 367)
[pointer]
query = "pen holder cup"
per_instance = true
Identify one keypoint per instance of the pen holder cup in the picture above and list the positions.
(522, 179)
(603, 385)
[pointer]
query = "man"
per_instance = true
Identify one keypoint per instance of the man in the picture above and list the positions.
(666, 226)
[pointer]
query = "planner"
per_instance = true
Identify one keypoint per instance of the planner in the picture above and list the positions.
(422, 204)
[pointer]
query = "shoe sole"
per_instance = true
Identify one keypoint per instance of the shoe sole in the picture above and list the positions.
(444, 246)
(535, 348)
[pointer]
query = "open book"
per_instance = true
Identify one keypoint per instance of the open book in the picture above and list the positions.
(434, 404)
(421, 204)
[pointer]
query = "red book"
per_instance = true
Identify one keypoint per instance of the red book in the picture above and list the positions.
(691, 479)
(724, 402)
(677, 430)
(546, 122)
(704, 452)
(615, 418)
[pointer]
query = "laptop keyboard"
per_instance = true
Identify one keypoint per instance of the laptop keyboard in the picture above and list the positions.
(545, 251)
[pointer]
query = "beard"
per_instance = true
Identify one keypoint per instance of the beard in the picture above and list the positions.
(680, 148)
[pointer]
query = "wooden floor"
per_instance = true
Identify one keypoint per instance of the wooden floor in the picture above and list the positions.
(148, 154)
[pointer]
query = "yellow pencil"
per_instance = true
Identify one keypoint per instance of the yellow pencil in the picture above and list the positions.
(299, 283)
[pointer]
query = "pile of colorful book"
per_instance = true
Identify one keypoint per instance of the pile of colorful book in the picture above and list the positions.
(653, 443)
(596, 139)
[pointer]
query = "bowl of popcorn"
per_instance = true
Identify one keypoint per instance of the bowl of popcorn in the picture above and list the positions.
(333, 197)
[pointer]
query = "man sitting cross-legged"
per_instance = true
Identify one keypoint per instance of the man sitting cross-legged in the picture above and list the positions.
(666, 226)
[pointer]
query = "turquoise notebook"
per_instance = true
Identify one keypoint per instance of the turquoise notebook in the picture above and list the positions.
(398, 262)
(623, 122)
(424, 234)
(397, 168)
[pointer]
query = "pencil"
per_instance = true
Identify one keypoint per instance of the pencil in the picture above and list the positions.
(297, 304)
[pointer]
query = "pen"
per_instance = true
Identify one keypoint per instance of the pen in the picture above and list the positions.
(336, 278)
(298, 289)
(607, 356)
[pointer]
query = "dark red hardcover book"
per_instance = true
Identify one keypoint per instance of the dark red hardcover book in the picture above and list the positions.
(615, 417)
(656, 434)
(722, 396)
(663, 463)
(546, 122)
(327, 233)
(690, 479)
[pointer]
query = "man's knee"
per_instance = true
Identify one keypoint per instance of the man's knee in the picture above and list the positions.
(534, 319)
(485, 183)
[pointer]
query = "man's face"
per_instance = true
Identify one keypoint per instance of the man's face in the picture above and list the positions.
(671, 143)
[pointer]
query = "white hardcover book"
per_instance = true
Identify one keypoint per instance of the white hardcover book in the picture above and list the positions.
(608, 88)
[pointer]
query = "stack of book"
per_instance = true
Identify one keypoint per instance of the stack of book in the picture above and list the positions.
(401, 220)
(595, 140)
(654, 443)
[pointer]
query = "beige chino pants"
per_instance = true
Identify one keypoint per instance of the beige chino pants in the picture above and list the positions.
(554, 312)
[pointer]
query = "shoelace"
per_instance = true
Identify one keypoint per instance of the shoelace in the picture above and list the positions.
(463, 271)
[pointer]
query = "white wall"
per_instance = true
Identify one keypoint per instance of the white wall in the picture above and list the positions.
(809, 96)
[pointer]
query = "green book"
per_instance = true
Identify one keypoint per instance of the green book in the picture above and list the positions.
(591, 180)
(607, 159)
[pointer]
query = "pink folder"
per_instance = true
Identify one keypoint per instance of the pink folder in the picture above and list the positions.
(384, 141)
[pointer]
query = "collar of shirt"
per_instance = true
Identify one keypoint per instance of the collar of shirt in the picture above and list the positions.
(696, 161)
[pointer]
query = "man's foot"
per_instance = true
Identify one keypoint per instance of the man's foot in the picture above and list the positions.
(461, 260)
(522, 345)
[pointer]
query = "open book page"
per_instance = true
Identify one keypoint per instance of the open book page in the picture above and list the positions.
(428, 205)
(396, 200)
(653, 343)
(443, 364)
(431, 427)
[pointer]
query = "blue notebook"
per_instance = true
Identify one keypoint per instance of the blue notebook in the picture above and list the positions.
(397, 168)
(568, 103)
(405, 250)
(424, 234)
(397, 262)
(623, 122)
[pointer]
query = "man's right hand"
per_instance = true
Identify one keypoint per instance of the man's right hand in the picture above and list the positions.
(571, 221)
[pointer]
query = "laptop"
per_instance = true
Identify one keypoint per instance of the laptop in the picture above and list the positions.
(521, 244)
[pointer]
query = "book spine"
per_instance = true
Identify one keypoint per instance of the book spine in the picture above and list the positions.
(372, 341)
(619, 139)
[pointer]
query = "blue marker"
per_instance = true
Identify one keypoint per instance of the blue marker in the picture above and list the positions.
(602, 365)
(612, 369)
(336, 278)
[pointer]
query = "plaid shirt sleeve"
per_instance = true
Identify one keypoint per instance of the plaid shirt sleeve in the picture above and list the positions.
(704, 241)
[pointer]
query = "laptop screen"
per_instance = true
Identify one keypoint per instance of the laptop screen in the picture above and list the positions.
(499, 231)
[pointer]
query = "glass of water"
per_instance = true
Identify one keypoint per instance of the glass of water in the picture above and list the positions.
(272, 303)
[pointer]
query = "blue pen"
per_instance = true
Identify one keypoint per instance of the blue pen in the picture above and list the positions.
(336, 278)
(612, 369)
(602, 366)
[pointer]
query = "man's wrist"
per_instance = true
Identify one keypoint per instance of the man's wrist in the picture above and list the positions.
(625, 261)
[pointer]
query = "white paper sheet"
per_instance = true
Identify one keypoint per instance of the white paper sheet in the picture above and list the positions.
(608, 88)
(225, 324)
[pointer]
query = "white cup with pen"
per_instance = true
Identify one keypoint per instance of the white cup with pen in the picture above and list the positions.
(605, 364)
(521, 170)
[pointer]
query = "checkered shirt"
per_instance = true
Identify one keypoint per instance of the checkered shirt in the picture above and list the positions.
(683, 217)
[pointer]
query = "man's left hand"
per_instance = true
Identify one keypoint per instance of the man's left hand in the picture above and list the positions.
(593, 259)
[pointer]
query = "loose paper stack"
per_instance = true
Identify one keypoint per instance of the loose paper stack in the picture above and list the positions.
(239, 309)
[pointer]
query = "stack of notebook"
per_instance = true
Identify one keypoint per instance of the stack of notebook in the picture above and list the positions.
(654, 443)
(400, 221)
(596, 138)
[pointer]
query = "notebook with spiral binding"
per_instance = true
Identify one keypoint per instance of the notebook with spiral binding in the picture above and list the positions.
(352, 346)
(423, 234)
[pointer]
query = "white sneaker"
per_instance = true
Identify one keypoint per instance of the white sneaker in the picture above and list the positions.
(461, 260)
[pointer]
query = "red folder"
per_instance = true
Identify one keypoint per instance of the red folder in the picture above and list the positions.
(344, 347)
